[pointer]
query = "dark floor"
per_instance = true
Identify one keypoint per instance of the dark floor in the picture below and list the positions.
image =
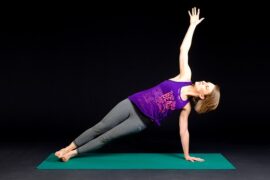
(20, 159)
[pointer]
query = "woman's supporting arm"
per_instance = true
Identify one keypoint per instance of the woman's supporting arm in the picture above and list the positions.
(183, 126)
(185, 143)
(184, 133)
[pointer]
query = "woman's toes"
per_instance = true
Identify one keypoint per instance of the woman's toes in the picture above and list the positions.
(68, 155)
(60, 153)
(57, 153)
(65, 158)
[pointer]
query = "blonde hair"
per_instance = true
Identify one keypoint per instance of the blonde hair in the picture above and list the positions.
(209, 103)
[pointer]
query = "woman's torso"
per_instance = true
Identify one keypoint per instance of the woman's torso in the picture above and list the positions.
(159, 101)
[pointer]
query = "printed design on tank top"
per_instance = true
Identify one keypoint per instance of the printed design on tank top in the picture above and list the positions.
(164, 101)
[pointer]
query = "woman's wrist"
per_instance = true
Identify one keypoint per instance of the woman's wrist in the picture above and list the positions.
(193, 25)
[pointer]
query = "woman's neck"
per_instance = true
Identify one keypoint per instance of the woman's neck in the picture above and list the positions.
(190, 91)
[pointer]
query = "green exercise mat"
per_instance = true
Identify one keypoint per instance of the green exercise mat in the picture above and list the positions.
(137, 161)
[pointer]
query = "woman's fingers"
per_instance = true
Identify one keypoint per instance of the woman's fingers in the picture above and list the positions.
(189, 13)
(192, 159)
(199, 159)
(201, 20)
(194, 12)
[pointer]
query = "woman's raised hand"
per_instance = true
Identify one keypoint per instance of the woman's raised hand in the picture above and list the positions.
(194, 16)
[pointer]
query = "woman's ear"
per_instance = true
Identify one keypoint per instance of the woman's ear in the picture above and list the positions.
(201, 96)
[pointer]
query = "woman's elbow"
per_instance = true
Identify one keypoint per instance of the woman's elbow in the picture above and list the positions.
(183, 132)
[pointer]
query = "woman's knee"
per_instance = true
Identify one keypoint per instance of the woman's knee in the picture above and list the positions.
(98, 127)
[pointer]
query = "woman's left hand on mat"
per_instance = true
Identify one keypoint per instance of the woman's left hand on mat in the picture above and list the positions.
(189, 158)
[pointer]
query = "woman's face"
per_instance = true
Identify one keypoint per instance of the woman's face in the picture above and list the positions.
(204, 87)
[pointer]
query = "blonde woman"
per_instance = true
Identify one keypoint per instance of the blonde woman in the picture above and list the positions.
(152, 106)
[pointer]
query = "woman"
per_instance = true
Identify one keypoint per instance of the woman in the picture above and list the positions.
(151, 106)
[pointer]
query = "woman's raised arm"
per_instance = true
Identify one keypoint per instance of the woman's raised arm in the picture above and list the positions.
(186, 43)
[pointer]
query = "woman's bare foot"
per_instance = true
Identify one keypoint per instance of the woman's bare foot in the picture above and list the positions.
(61, 152)
(69, 155)
(65, 150)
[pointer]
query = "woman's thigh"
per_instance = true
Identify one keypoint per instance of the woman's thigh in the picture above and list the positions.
(133, 124)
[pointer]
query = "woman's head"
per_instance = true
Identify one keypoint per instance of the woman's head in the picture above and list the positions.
(208, 96)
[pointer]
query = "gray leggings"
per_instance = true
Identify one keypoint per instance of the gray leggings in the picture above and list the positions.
(124, 119)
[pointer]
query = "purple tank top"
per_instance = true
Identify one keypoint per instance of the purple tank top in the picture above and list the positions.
(160, 101)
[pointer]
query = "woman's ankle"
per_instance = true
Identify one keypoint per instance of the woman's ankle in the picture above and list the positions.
(72, 146)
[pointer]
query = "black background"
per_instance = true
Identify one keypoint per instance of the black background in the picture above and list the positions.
(64, 67)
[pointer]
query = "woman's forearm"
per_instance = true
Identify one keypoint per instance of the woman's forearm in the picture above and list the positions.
(185, 143)
(186, 43)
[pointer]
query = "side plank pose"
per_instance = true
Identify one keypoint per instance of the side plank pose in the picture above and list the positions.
(152, 106)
